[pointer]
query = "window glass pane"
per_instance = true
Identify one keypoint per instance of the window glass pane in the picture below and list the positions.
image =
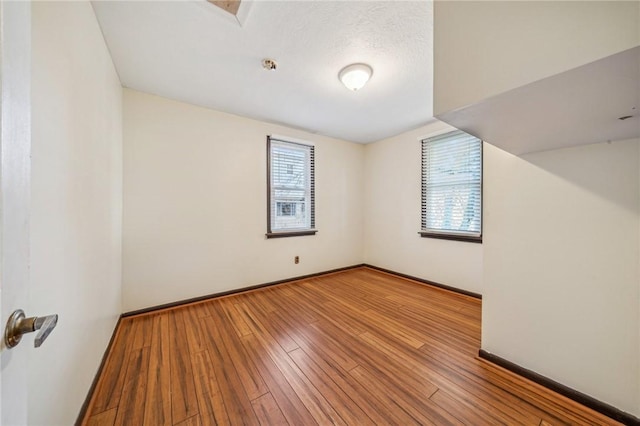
(291, 186)
(452, 184)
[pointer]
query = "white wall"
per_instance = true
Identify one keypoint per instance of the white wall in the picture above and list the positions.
(561, 280)
(485, 48)
(392, 217)
(15, 178)
(195, 204)
(76, 205)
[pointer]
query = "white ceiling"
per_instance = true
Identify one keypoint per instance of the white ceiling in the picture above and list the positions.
(577, 107)
(194, 52)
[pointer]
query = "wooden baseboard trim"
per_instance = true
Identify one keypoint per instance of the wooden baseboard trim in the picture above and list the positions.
(579, 397)
(428, 282)
(94, 384)
(231, 292)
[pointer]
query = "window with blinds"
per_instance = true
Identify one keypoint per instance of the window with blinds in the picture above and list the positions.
(291, 204)
(452, 187)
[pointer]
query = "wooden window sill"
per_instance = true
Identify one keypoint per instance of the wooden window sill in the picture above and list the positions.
(290, 234)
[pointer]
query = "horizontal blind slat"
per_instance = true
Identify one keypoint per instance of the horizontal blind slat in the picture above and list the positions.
(452, 183)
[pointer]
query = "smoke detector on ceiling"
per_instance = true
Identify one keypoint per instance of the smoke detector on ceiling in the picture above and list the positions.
(269, 64)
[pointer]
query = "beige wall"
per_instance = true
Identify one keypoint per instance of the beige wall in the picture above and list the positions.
(392, 217)
(195, 204)
(561, 280)
(485, 48)
(76, 205)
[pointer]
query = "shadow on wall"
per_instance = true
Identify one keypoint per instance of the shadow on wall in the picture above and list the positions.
(561, 266)
(609, 170)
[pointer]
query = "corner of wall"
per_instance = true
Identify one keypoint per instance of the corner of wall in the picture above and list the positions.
(392, 216)
(164, 243)
(586, 283)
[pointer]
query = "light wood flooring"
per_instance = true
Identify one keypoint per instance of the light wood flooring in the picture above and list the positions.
(358, 347)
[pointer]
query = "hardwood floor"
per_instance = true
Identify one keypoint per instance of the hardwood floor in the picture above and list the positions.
(352, 348)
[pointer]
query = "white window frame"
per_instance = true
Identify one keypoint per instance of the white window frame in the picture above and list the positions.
(450, 234)
(308, 200)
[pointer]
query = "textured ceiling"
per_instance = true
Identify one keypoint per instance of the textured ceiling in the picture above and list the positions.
(191, 51)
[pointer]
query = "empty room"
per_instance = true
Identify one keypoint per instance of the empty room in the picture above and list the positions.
(320, 212)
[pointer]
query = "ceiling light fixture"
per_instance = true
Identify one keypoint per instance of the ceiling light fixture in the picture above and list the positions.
(355, 76)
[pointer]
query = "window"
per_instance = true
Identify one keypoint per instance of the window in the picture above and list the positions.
(452, 187)
(286, 209)
(291, 204)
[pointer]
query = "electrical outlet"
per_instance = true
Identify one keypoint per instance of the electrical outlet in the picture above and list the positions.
(296, 260)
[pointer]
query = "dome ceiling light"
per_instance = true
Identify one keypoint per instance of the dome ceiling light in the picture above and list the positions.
(355, 76)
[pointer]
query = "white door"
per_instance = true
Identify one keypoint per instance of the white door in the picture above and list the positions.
(15, 144)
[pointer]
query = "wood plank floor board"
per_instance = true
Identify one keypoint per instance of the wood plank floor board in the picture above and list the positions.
(461, 411)
(158, 395)
(211, 405)
(237, 319)
(433, 328)
(195, 337)
(279, 333)
(244, 310)
(394, 375)
(282, 332)
(360, 395)
(318, 406)
(552, 403)
(318, 361)
(369, 356)
(469, 385)
(424, 381)
(268, 411)
(184, 403)
(132, 405)
(142, 335)
(111, 382)
(325, 312)
(348, 410)
(329, 310)
(352, 301)
(201, 309)
(236, 401)
(298, 317)
(472, 382)
(434, 301)
(310, 335)
(267, 296)
(452, 321)
(418, 409)
(437, 372)
(191, 421)
(352, 348)
(106, 418)
(386, 324)
(235, 356)
(283, 393)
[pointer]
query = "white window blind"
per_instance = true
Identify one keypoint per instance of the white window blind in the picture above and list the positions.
(452, 185)
(291, 186)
